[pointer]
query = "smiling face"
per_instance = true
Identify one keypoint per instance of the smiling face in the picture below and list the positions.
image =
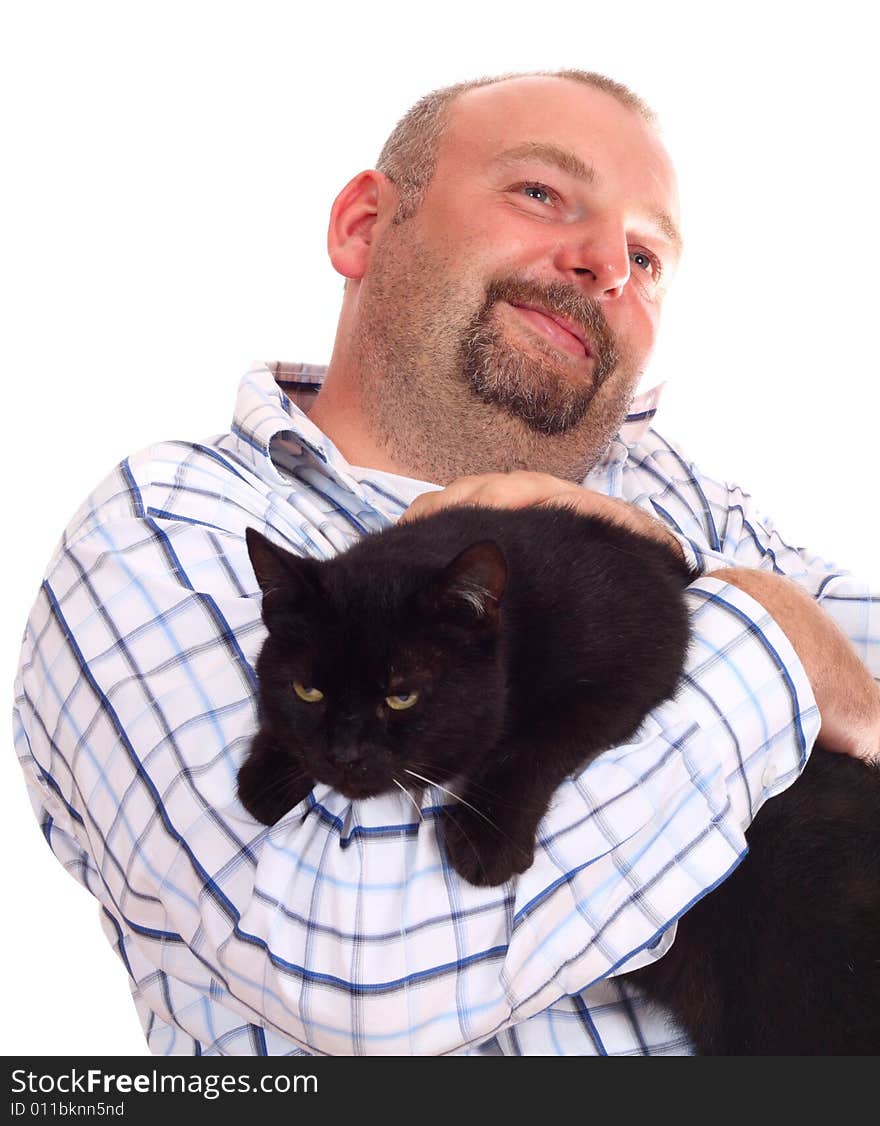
(506, 324)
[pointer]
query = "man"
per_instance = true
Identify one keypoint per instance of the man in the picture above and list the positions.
(506, 266)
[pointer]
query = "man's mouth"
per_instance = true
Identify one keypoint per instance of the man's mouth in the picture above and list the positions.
(561, 331)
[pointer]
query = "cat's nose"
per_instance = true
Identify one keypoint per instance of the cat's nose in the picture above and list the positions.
(347, 753)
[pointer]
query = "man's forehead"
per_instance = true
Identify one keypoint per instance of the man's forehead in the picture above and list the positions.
(529, 100)
(487, 121)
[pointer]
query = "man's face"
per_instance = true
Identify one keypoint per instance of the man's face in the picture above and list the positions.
(551, 202)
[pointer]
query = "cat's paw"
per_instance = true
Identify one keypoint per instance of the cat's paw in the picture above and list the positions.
(479, 852)
(267, 799)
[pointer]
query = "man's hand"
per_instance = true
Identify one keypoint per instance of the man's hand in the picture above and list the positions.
(520, 489)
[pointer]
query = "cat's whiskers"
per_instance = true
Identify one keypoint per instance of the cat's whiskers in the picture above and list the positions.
(411, 798)
(478, 812)
(453, 794)
(492, 794)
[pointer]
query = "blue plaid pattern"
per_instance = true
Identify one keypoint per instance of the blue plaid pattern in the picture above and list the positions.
(339, 930)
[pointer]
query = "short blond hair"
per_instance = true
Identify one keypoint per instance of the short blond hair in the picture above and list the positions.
(409, 155)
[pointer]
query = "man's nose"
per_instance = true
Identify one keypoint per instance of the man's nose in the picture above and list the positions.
(595, 256)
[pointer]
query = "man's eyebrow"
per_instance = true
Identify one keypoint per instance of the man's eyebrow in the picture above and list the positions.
(549, 153)
(570, 163)
(666, 224)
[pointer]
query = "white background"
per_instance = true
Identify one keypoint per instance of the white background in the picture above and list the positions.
(168, 174)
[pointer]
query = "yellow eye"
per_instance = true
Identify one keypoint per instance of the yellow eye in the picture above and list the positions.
(310, 695)
(404, 700)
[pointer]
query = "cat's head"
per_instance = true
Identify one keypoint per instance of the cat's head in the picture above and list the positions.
(380, 671)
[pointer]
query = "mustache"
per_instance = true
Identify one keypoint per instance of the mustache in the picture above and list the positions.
(566, 301)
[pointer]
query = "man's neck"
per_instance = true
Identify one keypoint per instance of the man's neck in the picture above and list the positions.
(339, 416)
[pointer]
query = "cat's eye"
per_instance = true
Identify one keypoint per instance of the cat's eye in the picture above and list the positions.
(404, 700)
(310, 695)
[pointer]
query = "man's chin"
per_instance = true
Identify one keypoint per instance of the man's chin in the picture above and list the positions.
(539, 390)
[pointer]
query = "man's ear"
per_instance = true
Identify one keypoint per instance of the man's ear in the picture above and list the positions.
(366, 203)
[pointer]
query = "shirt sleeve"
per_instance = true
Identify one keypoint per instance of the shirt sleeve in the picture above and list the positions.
(719, 525)
(339, 930)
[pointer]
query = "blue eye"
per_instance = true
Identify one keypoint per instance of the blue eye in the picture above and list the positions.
(646, 262)
(539, 190)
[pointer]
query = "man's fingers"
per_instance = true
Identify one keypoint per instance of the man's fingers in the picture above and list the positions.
(423, 505)
(459, 492)
(520, 489)
(463, 490)
(494, 490)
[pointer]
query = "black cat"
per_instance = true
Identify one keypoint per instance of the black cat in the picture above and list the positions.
(494, 652)
(496, 649)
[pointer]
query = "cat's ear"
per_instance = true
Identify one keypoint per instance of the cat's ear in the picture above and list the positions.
(279, 572)
(473, 584)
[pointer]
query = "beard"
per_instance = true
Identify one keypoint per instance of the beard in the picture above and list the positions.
(448, 387)
(536, 388)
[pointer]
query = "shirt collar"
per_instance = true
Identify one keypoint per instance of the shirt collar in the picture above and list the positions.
(273, 429)
(271, 422)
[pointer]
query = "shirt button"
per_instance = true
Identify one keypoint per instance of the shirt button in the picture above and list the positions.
(769, 775)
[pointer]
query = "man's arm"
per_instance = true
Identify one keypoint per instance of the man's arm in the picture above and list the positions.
(720, 526)
(727, 536)
(846, 694)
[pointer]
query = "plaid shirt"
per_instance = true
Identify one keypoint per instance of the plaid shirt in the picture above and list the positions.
(340, 930)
